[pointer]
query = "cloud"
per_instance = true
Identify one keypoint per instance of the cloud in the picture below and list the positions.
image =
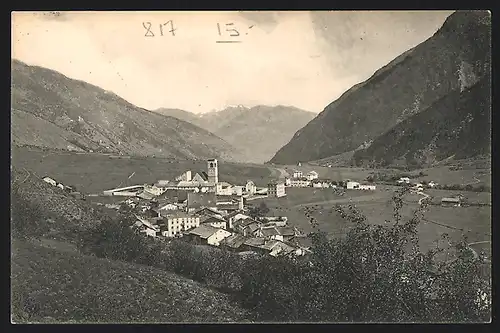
(305, 59)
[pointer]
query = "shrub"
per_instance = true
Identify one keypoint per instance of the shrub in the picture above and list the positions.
(375, 273)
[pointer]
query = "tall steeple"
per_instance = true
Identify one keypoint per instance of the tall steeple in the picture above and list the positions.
(213, 171)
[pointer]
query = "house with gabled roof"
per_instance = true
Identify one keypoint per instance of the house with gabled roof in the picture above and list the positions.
(214, 221)
(205, 234)
(224, 188)
(234, 242)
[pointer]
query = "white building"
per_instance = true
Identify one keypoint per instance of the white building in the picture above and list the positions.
(300, 182)
(312, 175)
(297, 174)
(432, 184)
(367, 187)
(237, 190)
(287, 181)
(404, 180)
(206, 234)
(50, 181)
(276, 189)
(321, 183)
(250, 187)
(169, 207)
(352, 185)
(224, 188)
(154, 189)
(186, 176)
(176, 223)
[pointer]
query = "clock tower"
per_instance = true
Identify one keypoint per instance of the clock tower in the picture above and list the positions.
(213, 171)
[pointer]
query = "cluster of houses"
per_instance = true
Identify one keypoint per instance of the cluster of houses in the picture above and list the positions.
(203, 210)
(204, 182)
(226, 225)
(419, 187)
(66, 188)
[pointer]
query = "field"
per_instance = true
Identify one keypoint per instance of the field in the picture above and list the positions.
(92, 173)
(303, 204)
(441, 174)
(60, 286)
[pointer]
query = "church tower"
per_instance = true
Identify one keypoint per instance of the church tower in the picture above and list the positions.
(213, 171)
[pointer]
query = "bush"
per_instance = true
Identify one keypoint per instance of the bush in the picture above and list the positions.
(28, 219)
(375, 273)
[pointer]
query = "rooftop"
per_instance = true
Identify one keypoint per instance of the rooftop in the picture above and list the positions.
(234, 240)
(204, 231)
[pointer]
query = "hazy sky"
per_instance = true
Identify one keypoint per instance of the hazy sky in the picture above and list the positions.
(304, 59)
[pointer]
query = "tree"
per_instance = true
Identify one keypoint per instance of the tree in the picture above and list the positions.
(256, 212)
(374, 273)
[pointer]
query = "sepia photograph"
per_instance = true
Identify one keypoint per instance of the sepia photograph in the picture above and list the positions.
(250, 167)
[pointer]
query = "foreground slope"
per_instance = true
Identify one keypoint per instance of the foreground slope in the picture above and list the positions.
(55, 286)
(457, 126)
(455, 57)
(53, 111)
(51, 281)
(257, 132)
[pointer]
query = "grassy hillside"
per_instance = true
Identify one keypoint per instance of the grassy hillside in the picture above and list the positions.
(51, 110)
(56, 286)
(52, 281)
(93, 173)
(455, 57)
(457, 126)
(256, 132)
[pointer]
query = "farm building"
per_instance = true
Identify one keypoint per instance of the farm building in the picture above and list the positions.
(129, 191)
(297, 174)
(276, 189)
(312, 175)
(206, 234)
(455, 202)
(432, 184)
(49, 181)
(404, 180)
(367, 187)
(321, 183)
(352, 185)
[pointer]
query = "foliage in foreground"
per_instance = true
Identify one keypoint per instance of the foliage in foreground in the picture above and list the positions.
(375, 273)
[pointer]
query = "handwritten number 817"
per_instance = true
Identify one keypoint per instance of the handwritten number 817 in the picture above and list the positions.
(150, 33)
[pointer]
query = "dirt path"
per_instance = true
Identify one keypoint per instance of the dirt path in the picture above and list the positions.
(425, 196)
(278, 172)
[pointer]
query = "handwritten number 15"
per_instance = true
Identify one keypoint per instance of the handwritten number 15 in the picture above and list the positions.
(233, 32)
(149, 32)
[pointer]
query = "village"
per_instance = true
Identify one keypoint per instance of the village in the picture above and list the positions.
(205, 211)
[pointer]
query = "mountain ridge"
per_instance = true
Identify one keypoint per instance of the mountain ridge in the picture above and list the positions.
(457, 52)
(85, 117)
(256, 131)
